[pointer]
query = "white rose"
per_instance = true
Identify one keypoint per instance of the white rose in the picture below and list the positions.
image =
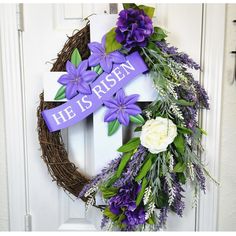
(157, 134)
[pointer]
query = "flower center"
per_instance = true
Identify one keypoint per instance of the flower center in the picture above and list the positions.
(122, 107)
(77, 80)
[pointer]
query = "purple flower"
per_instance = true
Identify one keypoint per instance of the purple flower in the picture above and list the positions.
(133, 28)
(178, 57)
(200, 177)
(99, 56)
(106, 171)
(125, 197)
(178, 204)
(77, 79)
(132, 168)
(121, 107)
(162, 218)
(136, 217)
(125, 203)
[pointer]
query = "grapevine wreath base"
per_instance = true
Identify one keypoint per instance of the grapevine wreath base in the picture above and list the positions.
(54, 154)
(147, 180)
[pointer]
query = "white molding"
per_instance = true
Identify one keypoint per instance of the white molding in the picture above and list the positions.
(10, 57)
(212, 76)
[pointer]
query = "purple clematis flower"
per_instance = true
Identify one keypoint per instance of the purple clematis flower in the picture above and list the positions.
(121, 107)
(77, 79)
(99, 56)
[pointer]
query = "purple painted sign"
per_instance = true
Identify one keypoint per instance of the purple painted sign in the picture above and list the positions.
(102, 88)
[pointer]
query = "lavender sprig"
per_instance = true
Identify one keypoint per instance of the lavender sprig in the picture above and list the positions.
(178, 57)
(177, 204)
(162, 218)
(133, 167)
(200, 177)
(104, 221)
(111, 168)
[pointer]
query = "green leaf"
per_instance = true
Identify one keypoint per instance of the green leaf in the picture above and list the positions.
(121, 218)
(108, 192)
(113, 127)
(98, 69)
(180, 144)
(152, 46)
(110, 215)
(130, 146)
(123, 163)
(162, 200)
(182, 178)
(129, 5)
(76, 57)
(138, 129)
(202, 131)
(151, 220)
(158, 35)
(146, 167)
(183, 102)
(120, 168)
(99, 72)
(184, 130)
(61, 93)
(148, 10)
(137, 119)
(180, 167)
(111, 43)
(111, 181)
(141, 193)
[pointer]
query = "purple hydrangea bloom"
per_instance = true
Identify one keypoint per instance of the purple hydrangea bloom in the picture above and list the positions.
(134, 28)
(77, 79)
(136, 217)
(125, 197)
(121, 107)
(125, 202)
(99, 56)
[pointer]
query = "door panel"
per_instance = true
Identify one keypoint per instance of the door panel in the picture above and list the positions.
(45, 30)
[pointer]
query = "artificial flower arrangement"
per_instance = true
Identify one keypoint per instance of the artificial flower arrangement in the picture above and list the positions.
(147, 180)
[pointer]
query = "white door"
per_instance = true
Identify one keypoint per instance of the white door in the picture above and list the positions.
(43, 36)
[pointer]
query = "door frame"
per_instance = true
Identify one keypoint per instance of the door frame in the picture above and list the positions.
(212, 61)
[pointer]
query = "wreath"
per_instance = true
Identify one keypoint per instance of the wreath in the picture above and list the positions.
(147, 179)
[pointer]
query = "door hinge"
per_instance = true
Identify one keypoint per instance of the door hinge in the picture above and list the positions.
(20, 17)
(28, 222)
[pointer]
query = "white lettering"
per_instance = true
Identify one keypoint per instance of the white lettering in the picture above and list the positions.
(111, 80)
(69, 112)
(84, 100)
(59, 117)
(118, 73)
(97, 89)
(130, 67)
(80, 105)
(104, 84)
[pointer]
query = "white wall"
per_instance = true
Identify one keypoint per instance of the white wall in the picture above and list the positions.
(227, 190)
(3, 173)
